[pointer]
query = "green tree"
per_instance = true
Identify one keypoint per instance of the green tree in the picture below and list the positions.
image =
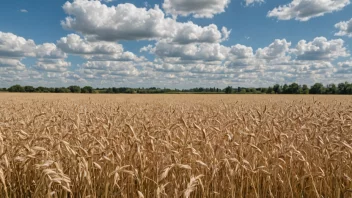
(332, 89)
(294, 89)
(29, 89)
(305, 89)
(228, 90)
(342, 88)
(285, 89)
(87, 89)
(75, 89)
(16, 88)
(109, 90)
(317, 88)
(277, 89)
(270, 90)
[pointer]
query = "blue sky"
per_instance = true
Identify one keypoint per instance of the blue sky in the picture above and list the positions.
(181, 44)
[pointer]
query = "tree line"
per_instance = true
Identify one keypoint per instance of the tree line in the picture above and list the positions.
(294, 88)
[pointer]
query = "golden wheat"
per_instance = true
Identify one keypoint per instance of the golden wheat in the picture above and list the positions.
(175, 146)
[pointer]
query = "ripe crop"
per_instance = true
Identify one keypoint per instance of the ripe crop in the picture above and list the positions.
(175, 146)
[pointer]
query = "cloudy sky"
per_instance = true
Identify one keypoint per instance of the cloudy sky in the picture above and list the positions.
(174, 43)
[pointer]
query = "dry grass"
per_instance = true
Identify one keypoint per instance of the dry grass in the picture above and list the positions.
(175, 146)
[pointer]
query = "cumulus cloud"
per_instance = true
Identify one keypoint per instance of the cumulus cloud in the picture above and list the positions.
(13, 63)
(23, 10)
(14, 48)
(202, 51)
(52, 65)
(190, 33)
(127, 22)
(249, 2)
(197, 8)
(320, 49)
(277, 49)
(103, 68)
(121, 22)
(198, 68)
(97, 50)
(277, 62)
(240, 56)
(241, 51)
(74, 44)
(12, 45)
(49, 50)
(345, 28)
(344, 67)
(303, 10)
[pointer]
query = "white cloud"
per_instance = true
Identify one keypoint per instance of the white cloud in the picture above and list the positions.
(345, 28)
(110, 68)
(241, 51)
(190, 33)
(197, 8)
(52, 65)
(125, 56)
(127, 22)
(320, 49)
(202, 51)
(14, 46)
(11, 63)
(23, 10)
(344, 67)
(121, 22)
(147, 48)
(249, 2)
(97, 50)
(276, 63)
(190, 68)
(240, 56)
(277, 49)
(303, 10)
(74, 44)
(49, 50)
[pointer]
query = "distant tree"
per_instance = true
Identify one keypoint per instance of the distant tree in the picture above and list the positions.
(41, 90)
(16, 88)
(293, 89)
(75, 89)
(348, 88)
(109, 90)
(228, 90)
(29, 89)
(277, 89)
(285, 89)
(332, 89)
(252, 90)
(317, 88)
(342, 88)
(305, 89)
(270, 90)
(87, 89)
(243, 91)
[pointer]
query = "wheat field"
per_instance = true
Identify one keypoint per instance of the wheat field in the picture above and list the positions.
(66, 145)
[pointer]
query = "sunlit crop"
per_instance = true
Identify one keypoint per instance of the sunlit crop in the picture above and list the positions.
(175, 146)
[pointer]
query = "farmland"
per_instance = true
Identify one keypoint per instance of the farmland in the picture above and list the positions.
(67, 145)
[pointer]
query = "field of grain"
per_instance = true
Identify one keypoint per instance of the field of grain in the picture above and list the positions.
(62, 145)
